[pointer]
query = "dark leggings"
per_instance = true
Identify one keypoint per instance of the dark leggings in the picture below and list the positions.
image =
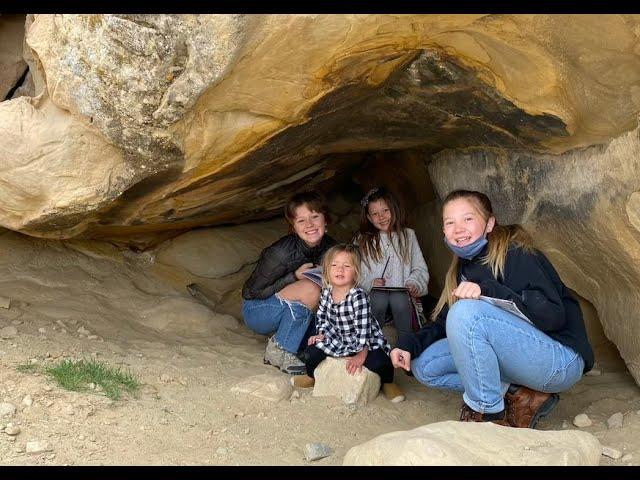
(400, 305)
(377, 361)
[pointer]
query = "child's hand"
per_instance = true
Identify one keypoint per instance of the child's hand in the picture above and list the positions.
(401, 359)
(301, 269)
(315, 338)
(413, 290)
(379, 282)
(354, 364)
(467, 290)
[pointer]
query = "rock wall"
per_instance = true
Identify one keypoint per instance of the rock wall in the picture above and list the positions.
(211, 119)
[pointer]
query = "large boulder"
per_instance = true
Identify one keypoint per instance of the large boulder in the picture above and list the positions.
(476, 444)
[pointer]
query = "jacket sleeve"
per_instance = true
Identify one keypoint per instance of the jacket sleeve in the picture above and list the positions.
(322, 324)
(271, 265)
(418, 342)
(419, 275)
(536, 296)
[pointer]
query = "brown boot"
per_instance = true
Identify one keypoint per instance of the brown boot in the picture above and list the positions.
(302, 381)
(525, 406)
(393, 392)
(467, 414)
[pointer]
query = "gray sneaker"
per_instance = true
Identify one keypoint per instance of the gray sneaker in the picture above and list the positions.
(273, 354)
(293, 365)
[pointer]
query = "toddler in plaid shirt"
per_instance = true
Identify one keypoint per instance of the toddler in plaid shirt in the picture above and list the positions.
(345, 325)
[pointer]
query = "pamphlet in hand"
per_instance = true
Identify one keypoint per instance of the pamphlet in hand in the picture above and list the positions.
(507, 305)
(314, 274)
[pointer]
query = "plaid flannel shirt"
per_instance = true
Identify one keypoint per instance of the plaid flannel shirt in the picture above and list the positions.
(349, 325)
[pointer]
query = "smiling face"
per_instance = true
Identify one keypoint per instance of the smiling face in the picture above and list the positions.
(342, 271)
(309, 225)
(380, 215)
(463, 222)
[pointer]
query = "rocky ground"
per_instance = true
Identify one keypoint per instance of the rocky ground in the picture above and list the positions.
(72, 302)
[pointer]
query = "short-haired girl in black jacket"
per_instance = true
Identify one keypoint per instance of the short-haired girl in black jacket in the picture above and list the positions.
(509, 369)
(276, 297)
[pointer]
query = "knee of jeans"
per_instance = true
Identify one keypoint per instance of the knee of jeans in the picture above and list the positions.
(422, 370)
(462, 315)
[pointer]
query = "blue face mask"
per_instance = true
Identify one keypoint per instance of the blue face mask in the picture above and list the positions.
(468, 251)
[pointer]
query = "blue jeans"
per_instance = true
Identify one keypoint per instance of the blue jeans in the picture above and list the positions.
(288, 319)
(487, 349)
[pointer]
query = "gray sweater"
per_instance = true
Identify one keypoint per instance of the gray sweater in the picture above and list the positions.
(397, 272)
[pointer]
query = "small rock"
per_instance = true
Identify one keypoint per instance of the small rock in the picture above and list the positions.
(81, 437)
(48, 403)
(51, 456)
(611, 453)
(11, 439)
(92, 337)
(221, 451)
(627, 458)
(7, 409)
(12, 430)
(615, 420)
(316, 451)
(42, 330)
(19, 449)
(246, 431)
(594, 372)
(27, 400)
(92, 439)
(83, 331)
(8, 332)
(16, 322)
(582, 421)
(163, 421)
(38, 447)
(92, 386)
(33, 361)
(565, 424)
(295, 394)
(47, 388)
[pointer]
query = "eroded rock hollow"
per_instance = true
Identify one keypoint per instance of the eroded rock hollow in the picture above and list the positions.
(135, 129)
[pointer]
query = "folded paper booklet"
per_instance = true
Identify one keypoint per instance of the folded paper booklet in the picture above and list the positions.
(507, 305)
(314, 274)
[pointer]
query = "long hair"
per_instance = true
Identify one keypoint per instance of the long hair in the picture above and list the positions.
(351, 250)
(500, 238)
(369, 236)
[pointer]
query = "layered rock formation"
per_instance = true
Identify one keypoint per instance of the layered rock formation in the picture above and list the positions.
(135, 128)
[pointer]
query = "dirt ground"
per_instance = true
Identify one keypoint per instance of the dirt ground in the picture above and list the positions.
(69, 301)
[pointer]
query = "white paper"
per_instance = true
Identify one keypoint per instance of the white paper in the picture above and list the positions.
(314, 274)
(507, 305)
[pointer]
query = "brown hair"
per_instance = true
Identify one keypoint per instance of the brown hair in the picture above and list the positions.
(500, 238)
(348, 248)
(314, 201)
(369, 235)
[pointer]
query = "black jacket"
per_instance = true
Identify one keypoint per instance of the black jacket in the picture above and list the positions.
(278, 263)
(534, 285)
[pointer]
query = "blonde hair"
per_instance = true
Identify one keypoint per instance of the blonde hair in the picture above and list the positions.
(368, 237)
(500, 238)
(351, 250)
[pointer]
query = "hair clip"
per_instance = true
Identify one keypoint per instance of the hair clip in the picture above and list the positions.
(365, 200)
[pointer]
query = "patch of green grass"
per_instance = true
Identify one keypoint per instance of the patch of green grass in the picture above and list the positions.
(76, 375)
(28, 368)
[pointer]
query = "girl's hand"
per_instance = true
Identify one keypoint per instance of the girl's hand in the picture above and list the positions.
(315, 338)
(413, 290)
(303, 268)
(354, 364)
(401, 359)
(467, 290)
(379, 282)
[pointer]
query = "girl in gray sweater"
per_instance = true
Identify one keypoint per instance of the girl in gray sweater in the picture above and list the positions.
(393, 267)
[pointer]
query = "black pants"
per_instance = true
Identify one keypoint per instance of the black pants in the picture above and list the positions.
(400, 305)
(377, 361)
